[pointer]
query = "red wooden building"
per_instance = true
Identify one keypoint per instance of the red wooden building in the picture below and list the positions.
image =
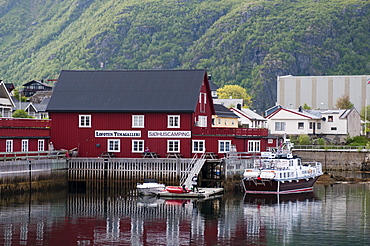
(24, 135)
(125, 111)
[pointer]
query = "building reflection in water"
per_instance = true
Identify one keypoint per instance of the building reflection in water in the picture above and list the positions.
(109, 212)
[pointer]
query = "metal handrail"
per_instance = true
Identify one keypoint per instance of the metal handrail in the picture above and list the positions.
(341, 147)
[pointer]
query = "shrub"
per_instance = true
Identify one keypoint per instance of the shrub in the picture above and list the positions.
(304, 140)
(320, 141)
(20, 113)
(358, 141)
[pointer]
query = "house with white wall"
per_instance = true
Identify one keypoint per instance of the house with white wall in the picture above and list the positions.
(336, 124)
(282, 121)
(249, 118)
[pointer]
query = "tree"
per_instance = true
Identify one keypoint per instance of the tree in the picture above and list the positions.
(305, 106)
(343, 102)
(236, 92)
(20, 113)
(367, 109)
(17, 95)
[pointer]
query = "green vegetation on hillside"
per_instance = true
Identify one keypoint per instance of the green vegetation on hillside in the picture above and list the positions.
(243, 42)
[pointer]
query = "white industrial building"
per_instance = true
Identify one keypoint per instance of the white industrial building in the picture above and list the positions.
(322, 92)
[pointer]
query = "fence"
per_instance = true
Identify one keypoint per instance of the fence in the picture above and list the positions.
(32, 155)
(134, 169)
(332, 147)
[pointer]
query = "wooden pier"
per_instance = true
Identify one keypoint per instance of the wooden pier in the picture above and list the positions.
(134, 169)
(165, 170)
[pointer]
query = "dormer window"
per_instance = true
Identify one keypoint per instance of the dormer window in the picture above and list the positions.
(202, 101)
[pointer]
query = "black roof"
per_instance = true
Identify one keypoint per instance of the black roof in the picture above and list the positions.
(37, 82)
(213, 86)
(222, 111)
(127, 91)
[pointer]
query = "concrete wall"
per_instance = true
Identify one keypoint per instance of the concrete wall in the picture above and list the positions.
(322, 91)
(336, 159)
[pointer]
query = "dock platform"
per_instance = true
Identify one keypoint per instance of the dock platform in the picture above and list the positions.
(203, 193)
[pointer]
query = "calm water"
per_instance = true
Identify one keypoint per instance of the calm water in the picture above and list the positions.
(331, 215)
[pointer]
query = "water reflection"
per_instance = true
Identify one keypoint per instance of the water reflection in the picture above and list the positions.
(337, 214)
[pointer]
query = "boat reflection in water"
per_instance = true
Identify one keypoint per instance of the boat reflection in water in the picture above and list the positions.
(271, 199)
(279, 213)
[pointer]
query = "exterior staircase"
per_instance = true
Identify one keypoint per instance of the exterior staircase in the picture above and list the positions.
(195, 166)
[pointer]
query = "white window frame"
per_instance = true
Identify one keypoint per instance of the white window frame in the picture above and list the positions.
(280, 126)
(24, 147)
(224, 146)
(84, 120)
(171, 148)
(173, 121)
(41, 145)
(137, 146)
(198, 146)
(202, 121)
(9, 145)
(202, 101)
(138, 121)
(300, 125)
(254, 146)
(116, 147)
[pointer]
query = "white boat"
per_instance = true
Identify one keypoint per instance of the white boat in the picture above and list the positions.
(281, 172)
(150, 187)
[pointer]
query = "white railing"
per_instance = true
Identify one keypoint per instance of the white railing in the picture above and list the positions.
(195, 170)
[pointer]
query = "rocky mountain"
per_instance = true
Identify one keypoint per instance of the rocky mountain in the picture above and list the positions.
(242, 42)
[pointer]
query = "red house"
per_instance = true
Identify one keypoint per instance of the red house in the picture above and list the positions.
(125, 111)
(24, 135)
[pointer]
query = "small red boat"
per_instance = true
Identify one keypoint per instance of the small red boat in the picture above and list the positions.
(176, 189)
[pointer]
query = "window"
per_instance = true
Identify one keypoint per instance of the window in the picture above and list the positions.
(334, 128)
(41, 145)
(173, 146)
(300, 125)
(85, 120)
(138, 121)
(254, 146)
(9, 146)
(330, 118)
(198, 146)
(319, 126)
(270, 141)
(173, 121)
(25, 145)
(311, 125)
(113, 145)
(137, 146)
(224, 146)
(202, 121)
(202, 101)
(279, 126)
